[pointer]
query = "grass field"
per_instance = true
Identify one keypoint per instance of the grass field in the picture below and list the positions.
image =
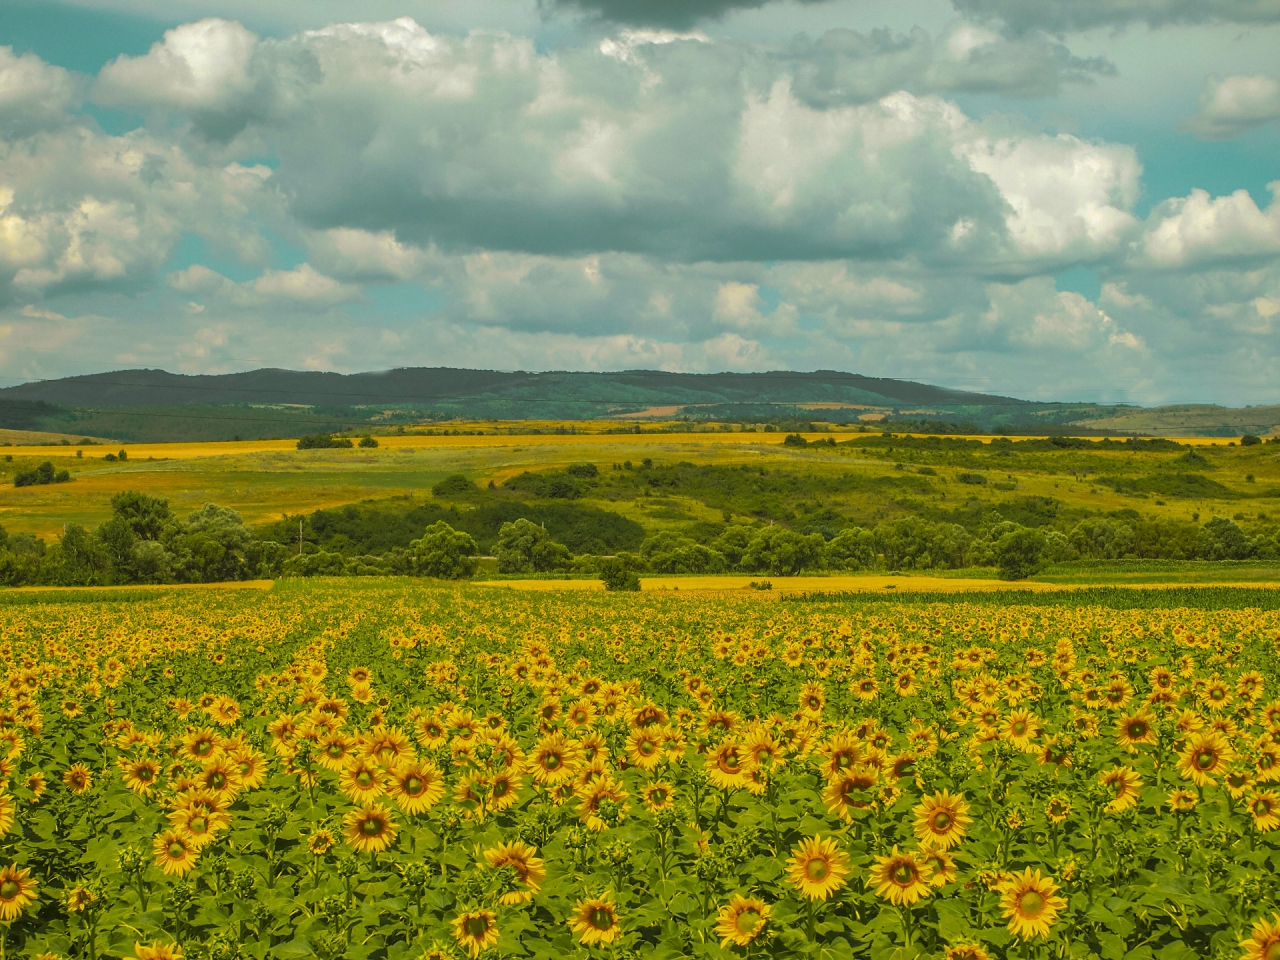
(264, 480)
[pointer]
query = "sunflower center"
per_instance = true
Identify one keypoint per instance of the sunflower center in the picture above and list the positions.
(203, 747)
(413, 786)
(904, 874)
(1204, 759)
(1273, 951)
(500, 788)
(144, 774)
(658, 796)
(198, 824)
(1019, 727)
(551, 761)
(941, 820)
(747, 921)
(176, 850)
(217, 780)
(335, 750)
(817, 869)
(477, 926)
(364, 778)
(601, 918)
(1031, 903)
(1262, 808)
(1137, 730)
(647, 747)
(371, 827)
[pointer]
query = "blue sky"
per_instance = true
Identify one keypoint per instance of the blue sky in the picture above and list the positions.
(1043, 198)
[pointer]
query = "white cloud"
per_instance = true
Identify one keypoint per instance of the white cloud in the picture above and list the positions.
(1230, 106)
(34, 95)
(1197, 229)
(301, 286)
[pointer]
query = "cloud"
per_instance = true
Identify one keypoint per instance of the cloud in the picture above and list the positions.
(205, 69)
(301, 286)
(845, 66)
(1065, 16)
(679, 14)
(1195, 230)
(1230, 106)
(34, 95)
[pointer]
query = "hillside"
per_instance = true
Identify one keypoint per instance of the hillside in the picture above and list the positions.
(155, 406)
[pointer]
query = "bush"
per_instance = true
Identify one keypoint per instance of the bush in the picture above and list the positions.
(795, 440)
(445, 552)
(1020, 553)
(1249, 440)
(584, 471)
(319, 441)
(41, 475)
(972, 478)
(367, 443)
(454, 486)
(617, 577)
(524, 547)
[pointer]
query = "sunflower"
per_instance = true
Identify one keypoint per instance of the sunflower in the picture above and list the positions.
(79, 898)
(1265, 809)
(942, 866)
(741, 920)
(370, 829)
(658, 795)
(1057, 809)
(362, 780)
(1206, 755)
(477, 930)
(1183, 801)
(1020, 728)
(175, 852)
(1264, 944)
(156, 951)
(251, 767)
(941, 820)
(140, 775)
(593, 799)
(416, 787)
(866, 689)
(901, 878)
(967, 951)
(553, 759)
(6, 813)
(644, 749)
(78, 779)
(504, 791)
(1135, 729)
(812, 698)
(595, 920)
(199, 744)
(320, 842)
(199, 817)
(728, 766)
(1267, 765)
(845, 793)
(840, 753)
(333, 751)
(17, 889)
(1030, 903)
(530, 870)
(817, 868)
(1123, 783)
(37, 784)
(220, 776)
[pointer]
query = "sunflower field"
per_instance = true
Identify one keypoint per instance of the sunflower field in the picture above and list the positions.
(398, 770)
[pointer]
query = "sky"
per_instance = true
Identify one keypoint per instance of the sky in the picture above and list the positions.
(1048, 199)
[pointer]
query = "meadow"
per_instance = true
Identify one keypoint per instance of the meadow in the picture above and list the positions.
(387, 769)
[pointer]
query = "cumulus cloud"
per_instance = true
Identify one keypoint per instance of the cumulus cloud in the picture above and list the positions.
(1063, 16)
(1198, 229)
(1230, 106)
(204, 69)
(34, 95)
(301, 286)
(655, 143)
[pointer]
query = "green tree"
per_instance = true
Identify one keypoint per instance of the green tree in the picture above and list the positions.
(1020, 553)
(445, 552)
(616, 576)
(780, 551)
(852, 549)
(525, 547)
(145, 515)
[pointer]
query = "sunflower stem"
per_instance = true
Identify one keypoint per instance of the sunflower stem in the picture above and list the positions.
(809, 921)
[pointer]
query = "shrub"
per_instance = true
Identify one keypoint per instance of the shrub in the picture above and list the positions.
(319, 441)
(617, 577)
(1249, 440)
(795, 440)
(367, 443)
(1020, 553)
(41, 475)
(454, 486)
(972, 478)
